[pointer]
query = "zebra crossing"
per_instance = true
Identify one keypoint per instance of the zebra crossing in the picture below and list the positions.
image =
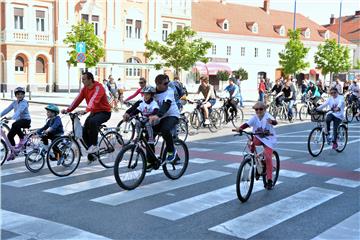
(245, 225)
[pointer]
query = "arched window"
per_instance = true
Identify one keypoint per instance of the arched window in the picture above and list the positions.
(19, 64)
(40, 65)
(133, 71)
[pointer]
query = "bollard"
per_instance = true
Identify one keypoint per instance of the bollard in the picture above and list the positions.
(29, 95)
(3, 94)
(12, 94)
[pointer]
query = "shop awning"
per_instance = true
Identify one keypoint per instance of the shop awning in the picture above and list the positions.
(211, 68)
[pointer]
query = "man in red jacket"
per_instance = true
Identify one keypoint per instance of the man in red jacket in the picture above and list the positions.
(97, 105)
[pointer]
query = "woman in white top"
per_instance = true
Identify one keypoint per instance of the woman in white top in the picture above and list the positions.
(336, 104)
(263, 123)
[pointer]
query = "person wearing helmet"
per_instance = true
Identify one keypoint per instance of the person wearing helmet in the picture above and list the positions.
(354, 92)
(21, 117)
(53, 127)
(313, 91)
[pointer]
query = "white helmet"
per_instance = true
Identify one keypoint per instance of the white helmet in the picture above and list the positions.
(148, 89)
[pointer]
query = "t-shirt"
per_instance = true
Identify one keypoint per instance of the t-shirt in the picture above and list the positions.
(333, 103)
(162, 97)
(205, 91)
(276, 88)
(148, 109)
(354, 89)
(233, 91)
(262, 126)
(286, 92)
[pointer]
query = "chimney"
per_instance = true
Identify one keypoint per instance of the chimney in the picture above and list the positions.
(267, 6)
(357, 13)
(223, 1)
(332, 19)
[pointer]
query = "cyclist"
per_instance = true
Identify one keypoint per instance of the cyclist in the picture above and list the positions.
(53, 127)
(208, 92)
(262, 123)
(337, 105)
(276, 89)
(289, 94)
(354, 92)
(97, 105)
(233, 90)
(313, 91)
(142, 83)
(21, 117)
(179, 91)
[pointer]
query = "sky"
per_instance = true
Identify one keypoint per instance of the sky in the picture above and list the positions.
(317, 10)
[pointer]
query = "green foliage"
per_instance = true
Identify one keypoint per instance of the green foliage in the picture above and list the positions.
(222, 75)
(332, 57)
(180, 51)
(241, 74)
(357, 65)
(84, 32)
(292, 59)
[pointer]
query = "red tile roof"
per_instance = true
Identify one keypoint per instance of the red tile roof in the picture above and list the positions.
(206, 13)
(350, 27)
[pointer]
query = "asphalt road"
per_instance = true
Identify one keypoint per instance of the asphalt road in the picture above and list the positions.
(314, 197)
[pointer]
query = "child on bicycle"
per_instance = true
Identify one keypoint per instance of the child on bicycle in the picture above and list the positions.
(148, 106)
(21, 117)
(337, 105)
(53, 127)
(262, 124)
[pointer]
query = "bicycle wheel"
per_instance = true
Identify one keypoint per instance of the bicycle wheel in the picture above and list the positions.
(109, 147)
(245, 179)
(342, 138)
(349, 114)
(275, 168)
(130, 167)
(295, 113)
(215, 121)
(195, 120)
(238, 118)
(3, 151)
(222, 115)
(63, 156)
(182, 129)
(316, 141)
(303, 113)
(178, 167)
(126, 130)
(34, 160)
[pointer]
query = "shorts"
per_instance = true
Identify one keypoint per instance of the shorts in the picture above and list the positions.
(212, 101)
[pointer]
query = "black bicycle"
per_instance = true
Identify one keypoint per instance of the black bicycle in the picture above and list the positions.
(131, 162)
(197, 118)
(227, 113)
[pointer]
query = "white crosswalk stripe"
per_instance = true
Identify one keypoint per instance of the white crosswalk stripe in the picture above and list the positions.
(200, 149)
(200, 160)
(291, 174)
(257, 221)
(320, 163)
(344, 182)
(159, 187)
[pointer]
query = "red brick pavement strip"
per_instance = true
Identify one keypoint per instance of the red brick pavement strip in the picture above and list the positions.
(289, 165)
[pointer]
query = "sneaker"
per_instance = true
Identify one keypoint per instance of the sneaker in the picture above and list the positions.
(207, 122)
(93, 149)
(54, 157)
(21, 143)
(171, 156)
(91, 158)
(149, 167)
(269, 184)
(334, 146)
(10, 157)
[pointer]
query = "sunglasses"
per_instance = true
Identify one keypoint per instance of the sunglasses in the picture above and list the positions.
(258, 109)
(332, 93)
(141, 82)
(166, 83)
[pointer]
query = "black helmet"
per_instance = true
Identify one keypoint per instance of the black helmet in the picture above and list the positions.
(19, 89)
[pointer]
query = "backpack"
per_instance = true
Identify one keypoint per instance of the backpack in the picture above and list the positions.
(178, 89)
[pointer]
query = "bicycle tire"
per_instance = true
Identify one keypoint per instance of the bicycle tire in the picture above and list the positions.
(222, 115)
(239, 117)
(127, 131)
(276, 169)
(215, 121)
(182, 129)
(116, 145)
(176, 169)
(295, 113)
(4, 151)
(303, 113)
(349, 114)
(245, 175)
(342, 136)
(34, 157)
(195, 120)
(319, 131)
(58, 156)
(122, 163)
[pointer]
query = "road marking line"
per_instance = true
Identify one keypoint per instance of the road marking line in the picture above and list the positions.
(37, 228)
(237, 153)
(347, 229)
(319, 163)
(291, 150)
(201, 149)
(344, 182)
(291, 174)
(357, 170)
(255, 222)
(200, 160)
(118, 198)
(233, 165)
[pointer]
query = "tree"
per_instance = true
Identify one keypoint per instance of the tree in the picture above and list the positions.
(332, 58)
(222, 75)
(292, 59)
(241, 74)
(180, 50)
(84, 32)
(357, 65)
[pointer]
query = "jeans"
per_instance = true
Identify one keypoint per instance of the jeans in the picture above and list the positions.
(261, 96)
(330, 117)
(91, 127)
(241, 101)
(16, 129)
(290, 105)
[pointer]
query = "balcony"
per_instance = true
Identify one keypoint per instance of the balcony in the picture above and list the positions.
(21, 36)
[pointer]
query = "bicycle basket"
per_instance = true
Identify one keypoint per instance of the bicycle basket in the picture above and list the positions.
(78, 129)
(317, 117)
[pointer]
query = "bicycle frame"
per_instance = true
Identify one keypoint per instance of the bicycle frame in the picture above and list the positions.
(7, 142)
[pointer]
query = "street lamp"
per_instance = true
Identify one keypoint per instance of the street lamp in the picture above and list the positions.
(339, 30)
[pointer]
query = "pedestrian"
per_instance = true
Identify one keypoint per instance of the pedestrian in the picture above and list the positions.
(337, 84)
(113, 92)
(261, 90)
(121, 89)
(238, 83)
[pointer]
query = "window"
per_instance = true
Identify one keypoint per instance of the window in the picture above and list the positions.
(40, 65)
(242, 52)
(226, 26)
(19, 64)
(228, 50)
(282, 31)
(268, 53)
(138, 29)
(129, 23)
(165, 31)
(40, 21)
(85, 17)
(255, 28)
(95, 23)
(18, 18)
(307, 33)
(256, 52)
(133, 72)
(327, 35)
(213, 49)
(179, 27)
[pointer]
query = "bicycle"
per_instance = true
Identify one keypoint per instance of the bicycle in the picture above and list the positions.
(6, 148)
(304, 112)
(316, 139)
(64, 154)
(131, 162)
(351, 110)
(252, 167)
(227, 114)
(197, 118)
(35, 159)
(282, 110)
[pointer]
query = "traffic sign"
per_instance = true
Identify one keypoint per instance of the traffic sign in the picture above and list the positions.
(80, 47)
(80, 57)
